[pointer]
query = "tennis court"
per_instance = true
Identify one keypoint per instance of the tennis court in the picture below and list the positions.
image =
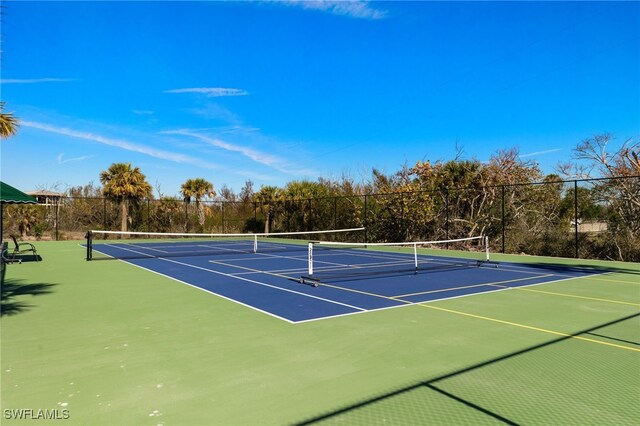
(350, 278)
(185, 331)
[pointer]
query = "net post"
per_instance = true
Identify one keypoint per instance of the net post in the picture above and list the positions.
(415, 257)
(89, 245)
(310, 266)
(486, 248)
(487, 260)
(255, 243)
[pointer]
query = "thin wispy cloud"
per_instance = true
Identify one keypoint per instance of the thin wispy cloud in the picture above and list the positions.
(533, 154)
(353, 9)
(122, 144)
(268, 160)
(33, 80)
(62, 160)
(211, 92)
(142, 112)
(259, 157)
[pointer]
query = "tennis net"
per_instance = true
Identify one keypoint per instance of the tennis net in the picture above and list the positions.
(338, 261)
(140, 245)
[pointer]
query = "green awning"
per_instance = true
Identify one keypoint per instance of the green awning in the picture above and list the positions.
(11, 195)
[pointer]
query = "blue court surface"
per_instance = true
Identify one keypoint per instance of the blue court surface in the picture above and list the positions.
(357, 280)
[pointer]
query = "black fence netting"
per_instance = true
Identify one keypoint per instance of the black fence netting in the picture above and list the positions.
(593, 218)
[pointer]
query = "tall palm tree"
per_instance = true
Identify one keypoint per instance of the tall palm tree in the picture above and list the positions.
(8, 123)
(269, 197)
(123, 184)
(197, 188)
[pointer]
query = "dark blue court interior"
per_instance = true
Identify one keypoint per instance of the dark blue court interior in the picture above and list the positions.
(357, 280)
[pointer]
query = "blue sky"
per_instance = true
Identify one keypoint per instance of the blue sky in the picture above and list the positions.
(277, 91)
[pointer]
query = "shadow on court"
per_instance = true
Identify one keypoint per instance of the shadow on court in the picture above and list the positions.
(411, 403)
(368, 273)
(24, 258)
(12, 289)
(617, 339)
(580, 268)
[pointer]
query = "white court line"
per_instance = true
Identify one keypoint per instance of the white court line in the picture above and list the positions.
(247, 280)
(521, 268)
(123, 246)
(145, 247)
(334, 267)
(400, 258)
(359, 310)
(174, 244)
(251, 270)
(406, 304)
(264, 284)
(357, 313)
(387, 255)
(363, 253)
(210, 292)
(268, 255)
(244, 258)
(305, 259)
(436, 300)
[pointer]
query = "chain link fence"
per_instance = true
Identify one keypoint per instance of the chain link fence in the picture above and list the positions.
(592, 218)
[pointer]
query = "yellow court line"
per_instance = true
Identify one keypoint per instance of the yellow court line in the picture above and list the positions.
(425, 305)
(495, 283)
(528, 327)
(323, 284)
(574, 295)
(611, 281)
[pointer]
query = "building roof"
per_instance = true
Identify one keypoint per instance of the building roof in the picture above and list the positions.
(44, 193)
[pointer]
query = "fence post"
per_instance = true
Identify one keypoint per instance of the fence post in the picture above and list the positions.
(310, 224)
(148, 215)
(575, 202)
(57, 216)
(186, 216)
(335, 212)
(366, 227)
(403, 223)
(222, 221)
(288, 207)
(446, 208)
(502, 220)
(104, 213)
